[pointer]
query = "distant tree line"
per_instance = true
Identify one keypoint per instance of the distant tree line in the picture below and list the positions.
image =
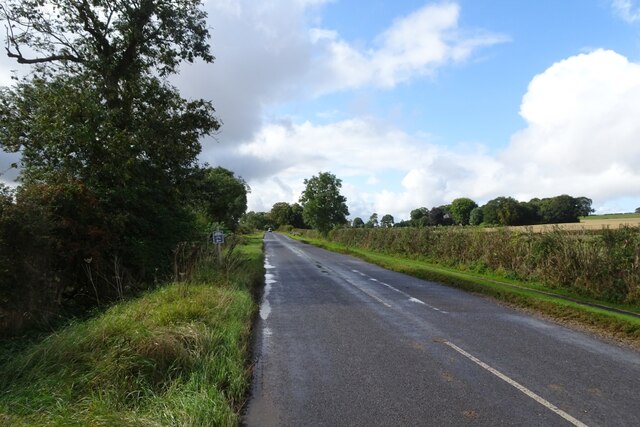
(461, 211)
(502, 211)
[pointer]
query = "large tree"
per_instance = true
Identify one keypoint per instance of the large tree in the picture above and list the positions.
(281, 214)
(323, 205)
(100, 129)
(97, 108)
(387, 221)
(461, 210)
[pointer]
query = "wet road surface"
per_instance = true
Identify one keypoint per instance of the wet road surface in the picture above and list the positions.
(343, 342)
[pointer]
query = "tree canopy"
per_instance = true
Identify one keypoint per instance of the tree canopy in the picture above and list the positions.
(387, 221)
(461, 210)
(323, 205)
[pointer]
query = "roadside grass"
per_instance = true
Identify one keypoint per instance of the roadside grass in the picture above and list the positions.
(177, 355)
(526, 295)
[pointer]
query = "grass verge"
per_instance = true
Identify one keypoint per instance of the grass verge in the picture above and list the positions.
(177, 355)
(530, 296)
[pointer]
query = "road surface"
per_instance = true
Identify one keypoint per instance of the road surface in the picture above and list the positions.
(343, 342)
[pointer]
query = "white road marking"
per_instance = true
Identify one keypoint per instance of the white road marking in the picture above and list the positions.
(519, 386)
(374, 297)
(412, 299)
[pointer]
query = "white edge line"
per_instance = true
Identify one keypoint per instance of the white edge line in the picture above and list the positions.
(519, 386)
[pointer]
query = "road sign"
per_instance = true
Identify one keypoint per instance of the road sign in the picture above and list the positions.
(218, 237)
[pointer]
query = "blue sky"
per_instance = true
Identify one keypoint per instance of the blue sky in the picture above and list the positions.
(415, 103)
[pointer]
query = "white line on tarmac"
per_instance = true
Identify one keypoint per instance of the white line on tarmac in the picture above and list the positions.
(412, 299)
(519, 386)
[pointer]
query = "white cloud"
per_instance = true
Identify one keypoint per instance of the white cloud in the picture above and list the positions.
(627, 10)
(414, 45)
(583, 132)
(384, 169)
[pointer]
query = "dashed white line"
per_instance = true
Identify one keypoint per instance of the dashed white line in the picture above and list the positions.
(375, 297)
(412, 299)
(519, 386)
(417, 301)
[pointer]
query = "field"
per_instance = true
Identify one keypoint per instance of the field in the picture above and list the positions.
(594, 222)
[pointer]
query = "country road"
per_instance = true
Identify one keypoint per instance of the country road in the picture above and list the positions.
(343, 342)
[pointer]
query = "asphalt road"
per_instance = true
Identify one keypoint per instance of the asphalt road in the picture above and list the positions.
(343, 342)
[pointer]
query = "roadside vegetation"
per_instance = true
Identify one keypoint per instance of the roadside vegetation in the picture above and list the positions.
(110, 187)
(176, 355)
(583, 268)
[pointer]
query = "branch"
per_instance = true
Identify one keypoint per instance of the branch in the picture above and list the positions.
(22, 60)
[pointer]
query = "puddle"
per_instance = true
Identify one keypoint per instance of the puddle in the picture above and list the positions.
(265, 310)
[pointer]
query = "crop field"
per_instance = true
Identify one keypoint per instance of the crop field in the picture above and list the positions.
(594, 222)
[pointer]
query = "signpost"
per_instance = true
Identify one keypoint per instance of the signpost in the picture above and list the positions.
(218, 237)
(218, 240)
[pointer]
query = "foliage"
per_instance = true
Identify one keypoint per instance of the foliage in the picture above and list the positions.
(221, 195)
(440, 216)
(373, 221)
(357, 222)
(461, 210)
(297, 219)
(476, 216)
(118, 41)
(387, 221)
(559, 209)
(255, 220)
(323, 205)
(420, 217)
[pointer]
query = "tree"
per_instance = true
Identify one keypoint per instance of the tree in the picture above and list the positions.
(109, 148)
(637, 210)
(116, 42)
(254, 220)
(221, 195)
(461, 210)
(98, 111)
(297, 221)
(357, 222)
(561, 209)
(476, 217)
(373, 221)
(281, 214)
(419, 217)
(387, 221)
(504, 211)
(323, 205)
(440, 216)
(584, 206)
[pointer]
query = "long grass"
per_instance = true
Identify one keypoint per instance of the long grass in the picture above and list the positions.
(602, 264)
(177, 355)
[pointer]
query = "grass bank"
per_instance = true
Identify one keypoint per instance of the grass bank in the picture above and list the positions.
(177, 355)
(559, 304)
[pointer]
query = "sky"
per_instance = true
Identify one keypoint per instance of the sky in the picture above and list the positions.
(415, 103)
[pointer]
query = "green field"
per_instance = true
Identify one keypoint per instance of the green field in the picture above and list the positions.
(178, 355)
(610, 216)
